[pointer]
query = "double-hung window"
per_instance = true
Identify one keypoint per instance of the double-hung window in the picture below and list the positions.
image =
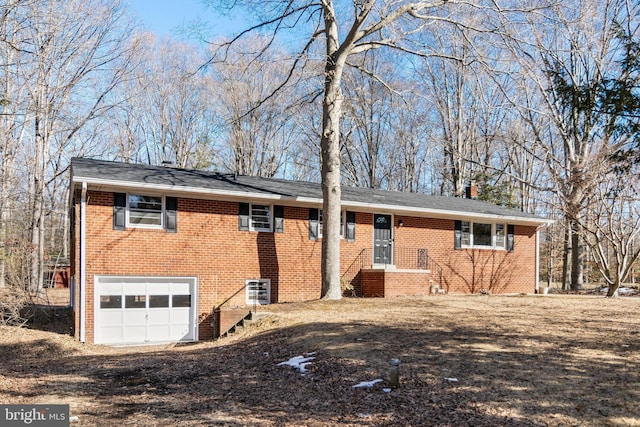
(347, 224)
(144, 211)
(482, 235)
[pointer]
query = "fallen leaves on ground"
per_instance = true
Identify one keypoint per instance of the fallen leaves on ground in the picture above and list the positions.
(518, 360)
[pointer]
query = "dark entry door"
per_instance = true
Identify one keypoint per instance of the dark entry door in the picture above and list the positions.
(382, 240)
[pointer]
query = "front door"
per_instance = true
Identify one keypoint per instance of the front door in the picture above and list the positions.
(382, 239)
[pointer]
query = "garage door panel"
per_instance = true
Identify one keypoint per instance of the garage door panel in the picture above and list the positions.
(180, 332)
(180, 288)
(135, 288)
(158, 288)
(134, 334)
(135, 310)
(159, 333)
(134, 316)
(111, 334)
(180, 315)
(112, 288)
(159, 316)
(110, 317)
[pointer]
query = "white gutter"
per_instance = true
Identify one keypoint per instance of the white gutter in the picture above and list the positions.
(311, 201)
(83, 275)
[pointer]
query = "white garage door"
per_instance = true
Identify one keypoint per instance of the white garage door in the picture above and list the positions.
(131, 310)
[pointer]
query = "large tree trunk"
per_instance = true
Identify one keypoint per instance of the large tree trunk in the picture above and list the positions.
(566, 256)
(577, 257)
(330, 157)
(37, 216)
(330, 148)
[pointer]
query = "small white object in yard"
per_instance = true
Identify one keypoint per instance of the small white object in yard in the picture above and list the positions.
(74, 419)
(367, 383)
(451, 380)
(386, 390)
(298, 362)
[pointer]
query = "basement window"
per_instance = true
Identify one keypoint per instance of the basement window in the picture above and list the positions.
(258, 291)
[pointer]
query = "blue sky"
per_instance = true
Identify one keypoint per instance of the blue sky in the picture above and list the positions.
(164, 17)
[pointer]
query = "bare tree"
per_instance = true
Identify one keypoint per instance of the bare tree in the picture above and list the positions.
(571, 54)
(71, 58)
(612, 228)
(12, 132)
(366, 26)
(257, 131)
(165, 113)
(411, 151)
(370, 109)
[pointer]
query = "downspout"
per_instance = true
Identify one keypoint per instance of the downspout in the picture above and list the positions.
(537, 261)
(83, 276)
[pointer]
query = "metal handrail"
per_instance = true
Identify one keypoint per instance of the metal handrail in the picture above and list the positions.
(403, 258)
(242, 288)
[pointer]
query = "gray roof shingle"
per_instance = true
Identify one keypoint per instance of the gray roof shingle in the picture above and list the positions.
(114, 174)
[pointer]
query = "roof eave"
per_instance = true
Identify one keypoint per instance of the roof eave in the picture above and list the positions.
(186, 191)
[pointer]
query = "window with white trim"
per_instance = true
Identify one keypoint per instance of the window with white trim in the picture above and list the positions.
(482, 235)
(260, 217)
(258, 291)
(144, 211)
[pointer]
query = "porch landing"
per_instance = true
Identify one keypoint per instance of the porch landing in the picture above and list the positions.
(384, 282)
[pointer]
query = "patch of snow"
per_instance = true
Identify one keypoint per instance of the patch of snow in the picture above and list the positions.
(298, 363)
(451, 380)
(386, 390)
(367, 383)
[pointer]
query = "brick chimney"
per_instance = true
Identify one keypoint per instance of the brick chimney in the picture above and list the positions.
(471, 191)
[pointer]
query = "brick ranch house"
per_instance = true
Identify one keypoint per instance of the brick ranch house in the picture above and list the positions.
(155, 249)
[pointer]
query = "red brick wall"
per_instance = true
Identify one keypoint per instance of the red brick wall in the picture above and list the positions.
(378, 283)
(473, 270)
(406, 284)
(209, 246)
(373, 283)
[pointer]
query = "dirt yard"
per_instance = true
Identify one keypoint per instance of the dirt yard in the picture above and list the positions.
(553, 360)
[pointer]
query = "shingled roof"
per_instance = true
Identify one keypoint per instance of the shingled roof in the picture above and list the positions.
(111, 176)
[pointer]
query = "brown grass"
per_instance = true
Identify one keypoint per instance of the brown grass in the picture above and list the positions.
(519, 360)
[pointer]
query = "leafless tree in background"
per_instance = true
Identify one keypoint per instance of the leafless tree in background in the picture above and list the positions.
(67, 59)
(612, 227)
(364, 27)
(568, 53)
(259, 129)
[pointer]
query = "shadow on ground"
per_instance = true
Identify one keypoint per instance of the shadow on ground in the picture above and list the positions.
(477, 373)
